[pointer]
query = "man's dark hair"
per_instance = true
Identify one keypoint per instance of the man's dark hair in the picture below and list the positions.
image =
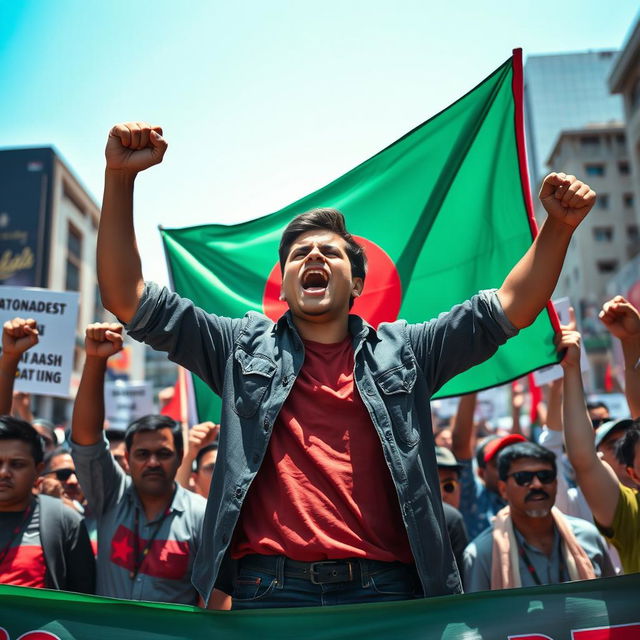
(114, 435)
(155, 422)
(480, 461)
(16, 429)
(48, 425)
(626, 446)
(521, 450)
(50, 455)
(597, 405)
(324, 220)
(210, 447)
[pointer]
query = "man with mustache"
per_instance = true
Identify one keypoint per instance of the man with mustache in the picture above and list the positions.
(531, 542)
(148, 525)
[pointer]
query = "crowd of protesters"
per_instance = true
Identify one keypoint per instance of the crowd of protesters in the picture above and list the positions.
(151, 515)
(120, 514)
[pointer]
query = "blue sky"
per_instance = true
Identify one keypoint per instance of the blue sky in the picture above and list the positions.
(261, 102)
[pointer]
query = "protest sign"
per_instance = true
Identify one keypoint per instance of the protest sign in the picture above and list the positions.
(126, 401)
(46, 368)
(554, 372)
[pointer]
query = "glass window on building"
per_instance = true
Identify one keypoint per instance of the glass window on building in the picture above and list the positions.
(632, 232)
(602, 201)
(594, 169)
(74, 259)
(607, 266)
(589, 142)
(623, 168)
(603, 234)
(627, 200)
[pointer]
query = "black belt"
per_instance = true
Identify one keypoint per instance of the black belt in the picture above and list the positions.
(322, 572)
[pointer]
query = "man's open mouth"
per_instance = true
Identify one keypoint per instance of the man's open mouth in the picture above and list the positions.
(315, 280)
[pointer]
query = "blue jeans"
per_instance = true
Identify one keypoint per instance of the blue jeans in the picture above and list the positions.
(271, 587)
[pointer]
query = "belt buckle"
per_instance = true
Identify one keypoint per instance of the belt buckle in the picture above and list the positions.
(313, 569)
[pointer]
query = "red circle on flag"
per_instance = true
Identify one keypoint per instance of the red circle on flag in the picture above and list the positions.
(379, 302)
(38, 635)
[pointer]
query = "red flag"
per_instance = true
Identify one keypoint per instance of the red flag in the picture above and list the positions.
(608, 379)
(177, 408)
(535, 394)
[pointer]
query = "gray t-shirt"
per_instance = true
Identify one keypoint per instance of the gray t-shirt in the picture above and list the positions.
(165, 573)
(550, 569)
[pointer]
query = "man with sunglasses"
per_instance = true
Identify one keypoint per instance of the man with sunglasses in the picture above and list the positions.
(59, 479)
(531, 542)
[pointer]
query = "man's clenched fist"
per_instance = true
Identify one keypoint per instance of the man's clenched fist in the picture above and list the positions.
(18, 335)
(566, 198)
(134, 146)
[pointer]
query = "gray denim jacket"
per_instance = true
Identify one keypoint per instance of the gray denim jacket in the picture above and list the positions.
(252, 364)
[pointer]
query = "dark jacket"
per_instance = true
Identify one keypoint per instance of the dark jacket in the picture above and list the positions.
(66, 547)
(252, 363)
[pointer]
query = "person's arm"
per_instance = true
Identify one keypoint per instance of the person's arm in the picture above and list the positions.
(131, 147)
(21, 406)
(551, 438)
(622, 320)
(463, 437)
(200, 435)
(18, 336)
(598, 483)
(101, 477)
(517, 401)
(102, 340)
(529, 285)
(554, 406)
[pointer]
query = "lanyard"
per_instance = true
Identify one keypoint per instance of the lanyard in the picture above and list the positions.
(140, 555)
(26, 514)
(531, 568)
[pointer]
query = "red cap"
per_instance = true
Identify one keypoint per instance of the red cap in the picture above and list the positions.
(495, 446)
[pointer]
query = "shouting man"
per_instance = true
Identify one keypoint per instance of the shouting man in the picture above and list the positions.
(326, 444)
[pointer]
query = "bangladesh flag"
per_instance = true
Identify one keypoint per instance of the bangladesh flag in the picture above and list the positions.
(442, 212)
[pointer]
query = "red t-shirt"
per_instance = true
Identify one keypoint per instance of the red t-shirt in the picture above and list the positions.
(23, 564)
(324, 490)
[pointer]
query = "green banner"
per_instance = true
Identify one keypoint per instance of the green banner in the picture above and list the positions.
(602, 609)
(443, 212)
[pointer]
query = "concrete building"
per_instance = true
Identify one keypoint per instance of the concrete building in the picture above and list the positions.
(606, 240)
(625, 80)
(48, 228)
(564, 91)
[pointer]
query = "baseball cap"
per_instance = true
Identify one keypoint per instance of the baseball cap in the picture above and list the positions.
(608, 427)
(445, 458)
(495, 446)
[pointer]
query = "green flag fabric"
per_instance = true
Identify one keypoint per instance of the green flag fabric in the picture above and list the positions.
(602, 609)
(442, 212)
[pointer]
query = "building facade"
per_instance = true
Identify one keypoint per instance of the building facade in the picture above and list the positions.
(564, 91)
(48, 230)
(625, 80)
(606, 240)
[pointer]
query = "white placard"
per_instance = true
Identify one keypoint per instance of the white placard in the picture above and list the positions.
(125, 402)
(554, 372)
(46, 368)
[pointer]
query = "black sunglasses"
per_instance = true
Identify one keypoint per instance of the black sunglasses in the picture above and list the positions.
(61, 474)
(449, 486)
(525, 478)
